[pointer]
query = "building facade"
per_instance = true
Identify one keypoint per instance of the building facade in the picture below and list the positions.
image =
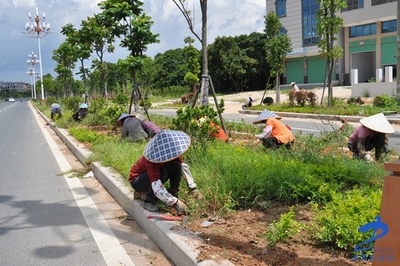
(14, 86)
(368, 39)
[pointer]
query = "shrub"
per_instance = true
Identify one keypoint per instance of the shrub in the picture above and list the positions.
(96, 105)
(355, 101)
(146, 102)
(50, 100)
(121, 99)
(338, 222)
(109, 114)
(291, 97)
(385, 101)
(268, 101)
(312, 98)
(196, 122)
(72, 103)
(301, 97)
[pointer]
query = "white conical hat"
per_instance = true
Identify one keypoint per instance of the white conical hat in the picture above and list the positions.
(377, 123)
(265, 115)
(166, 145)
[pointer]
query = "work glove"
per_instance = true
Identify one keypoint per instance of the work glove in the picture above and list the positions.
(180, 206)
(369, 158)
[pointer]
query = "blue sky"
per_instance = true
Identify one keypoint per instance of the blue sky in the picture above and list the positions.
(225, 18)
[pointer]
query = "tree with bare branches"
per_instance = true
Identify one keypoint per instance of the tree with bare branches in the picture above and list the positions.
(187, 14)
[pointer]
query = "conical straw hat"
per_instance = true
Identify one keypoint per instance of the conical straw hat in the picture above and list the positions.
(166, 146)
(265, 115)
(121, 118)
(377, 123)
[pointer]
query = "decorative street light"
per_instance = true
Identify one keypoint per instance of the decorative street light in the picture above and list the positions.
(38, 31)
(31, 70)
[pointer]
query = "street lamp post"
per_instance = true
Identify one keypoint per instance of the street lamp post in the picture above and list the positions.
(31, 70)
(31, 73)
(38, 31)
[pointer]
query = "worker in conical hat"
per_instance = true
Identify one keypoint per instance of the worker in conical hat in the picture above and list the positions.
(370, 134)
(275, 133)
(161, 162)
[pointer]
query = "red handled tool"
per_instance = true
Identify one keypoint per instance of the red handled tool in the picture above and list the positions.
(165, 218)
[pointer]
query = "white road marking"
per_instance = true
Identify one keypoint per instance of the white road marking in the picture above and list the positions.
(111, 249)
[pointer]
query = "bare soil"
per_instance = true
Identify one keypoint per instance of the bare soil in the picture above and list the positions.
(240, 238)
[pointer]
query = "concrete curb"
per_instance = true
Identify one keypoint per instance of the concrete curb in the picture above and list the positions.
(180, 245)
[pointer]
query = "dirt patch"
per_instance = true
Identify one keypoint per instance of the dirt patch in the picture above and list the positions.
(240, 238)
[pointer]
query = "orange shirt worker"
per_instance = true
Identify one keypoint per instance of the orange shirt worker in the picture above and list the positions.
(275, 133)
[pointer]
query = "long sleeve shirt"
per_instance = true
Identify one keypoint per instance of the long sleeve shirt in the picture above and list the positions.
(150, 128)
(153, 172)
(360, 132)
(359, 135)
(275, 128)
(133, 129)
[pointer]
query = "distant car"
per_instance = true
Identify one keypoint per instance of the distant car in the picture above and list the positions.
(11, 100)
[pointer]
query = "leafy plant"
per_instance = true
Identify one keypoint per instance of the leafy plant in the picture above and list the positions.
(355, 101)
(72, 103)
(338, 222)
(366, 93)
(121, 99)
(312, 98)
(301, 97)
(385, 101)
(84, 135)
(146, 102)
(281, 230)
(198, 122)
(50, 101)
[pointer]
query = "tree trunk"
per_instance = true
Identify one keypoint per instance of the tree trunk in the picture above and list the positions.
(278, 90)
(204, 93)
(84, 81)
(330, 73)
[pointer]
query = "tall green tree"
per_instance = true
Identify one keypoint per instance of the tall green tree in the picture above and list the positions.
(234, 60)
(147, 73)
(328, 26)
(192, 64)
(82, 44)
(127, 21)
(276, 48)
(101, 41)
(251, 61)
(170, 69)
(64, 56)
(122, 74)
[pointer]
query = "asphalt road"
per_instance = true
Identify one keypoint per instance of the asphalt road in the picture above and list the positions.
(298, 125)
(50, 217)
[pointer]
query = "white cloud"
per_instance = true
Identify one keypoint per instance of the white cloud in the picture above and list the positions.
(225, 18)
